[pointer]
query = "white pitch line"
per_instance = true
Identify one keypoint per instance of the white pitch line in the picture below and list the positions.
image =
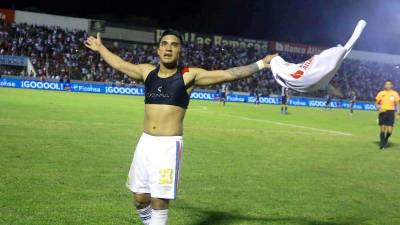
(293, 125)
(203, 108)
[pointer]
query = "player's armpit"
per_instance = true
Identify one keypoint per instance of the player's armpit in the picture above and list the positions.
(136, 71)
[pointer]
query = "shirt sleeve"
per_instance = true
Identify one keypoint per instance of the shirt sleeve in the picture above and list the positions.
(378, 97)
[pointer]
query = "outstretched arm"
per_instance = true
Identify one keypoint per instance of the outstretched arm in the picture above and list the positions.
(137, 72)
(204, 77)
(377, 102)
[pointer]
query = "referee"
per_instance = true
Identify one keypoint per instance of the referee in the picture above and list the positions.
(387, 102)
(284, 100)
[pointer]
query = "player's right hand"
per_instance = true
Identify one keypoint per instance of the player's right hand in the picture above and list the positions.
(94, 43)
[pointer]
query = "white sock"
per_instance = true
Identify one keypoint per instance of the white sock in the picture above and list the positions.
(145, 214)
(159, 217)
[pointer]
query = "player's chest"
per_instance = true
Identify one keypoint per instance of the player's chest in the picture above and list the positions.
(389, 97)
(166, 88)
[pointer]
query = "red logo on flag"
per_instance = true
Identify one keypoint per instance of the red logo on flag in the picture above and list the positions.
(298, 74)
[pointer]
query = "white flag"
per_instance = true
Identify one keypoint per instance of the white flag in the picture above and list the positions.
(317, 71)
(30, 69)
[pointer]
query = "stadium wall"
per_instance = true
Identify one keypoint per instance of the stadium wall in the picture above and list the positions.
(196, 94)
(217, 40)
(124, 34)
(42, 19)
(375, 57)
(278, 46)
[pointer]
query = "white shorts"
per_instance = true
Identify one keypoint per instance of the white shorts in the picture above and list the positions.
(155, 166)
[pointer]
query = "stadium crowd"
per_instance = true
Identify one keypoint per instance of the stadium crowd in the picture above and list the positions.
(56, 53)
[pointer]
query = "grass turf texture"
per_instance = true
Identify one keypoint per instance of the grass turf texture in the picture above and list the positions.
(65, 158)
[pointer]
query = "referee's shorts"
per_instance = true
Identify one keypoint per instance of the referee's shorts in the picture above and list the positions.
(387, 118)
(284, 100)
(222, 95)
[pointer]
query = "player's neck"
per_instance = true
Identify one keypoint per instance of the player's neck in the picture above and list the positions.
(167, 70)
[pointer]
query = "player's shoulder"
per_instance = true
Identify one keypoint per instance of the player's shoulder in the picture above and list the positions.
(191, 71)
(184, 70)
(380, 93)
(194, 69)
(396, 94)
(147, 68)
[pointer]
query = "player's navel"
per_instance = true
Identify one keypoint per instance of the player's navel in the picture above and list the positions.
(154, 127)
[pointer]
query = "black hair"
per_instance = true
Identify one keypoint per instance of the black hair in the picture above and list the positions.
(389, 81)
(172, 32)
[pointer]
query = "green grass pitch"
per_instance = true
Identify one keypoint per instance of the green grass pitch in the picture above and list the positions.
(64, 159)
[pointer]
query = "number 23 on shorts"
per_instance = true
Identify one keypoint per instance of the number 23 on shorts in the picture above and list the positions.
(166, 176)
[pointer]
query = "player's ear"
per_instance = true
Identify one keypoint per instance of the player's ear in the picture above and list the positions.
(180, 50)
(158, 50)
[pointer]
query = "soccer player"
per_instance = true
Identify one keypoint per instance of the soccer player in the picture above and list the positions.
(386, 102)
(328, 101)
(284, 100)
(257, 95)
(154, 173)
(353, 98)
(223, 93)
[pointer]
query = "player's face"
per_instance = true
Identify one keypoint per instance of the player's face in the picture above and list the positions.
(169, 50)
(388, 85)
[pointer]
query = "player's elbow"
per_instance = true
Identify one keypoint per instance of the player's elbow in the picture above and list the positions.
(227, 76)
(120, 65)
(223, 79)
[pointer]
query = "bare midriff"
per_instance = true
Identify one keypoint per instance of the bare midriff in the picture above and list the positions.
(163, 120)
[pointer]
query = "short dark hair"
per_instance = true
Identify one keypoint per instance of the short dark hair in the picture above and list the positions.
(389, 81)
(172, 32)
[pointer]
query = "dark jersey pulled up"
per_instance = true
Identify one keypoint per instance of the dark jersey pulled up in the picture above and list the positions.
(166, 91)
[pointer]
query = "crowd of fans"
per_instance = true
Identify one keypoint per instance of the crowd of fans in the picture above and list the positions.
(56, 52)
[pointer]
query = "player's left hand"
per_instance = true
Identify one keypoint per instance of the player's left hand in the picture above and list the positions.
(267, 59)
